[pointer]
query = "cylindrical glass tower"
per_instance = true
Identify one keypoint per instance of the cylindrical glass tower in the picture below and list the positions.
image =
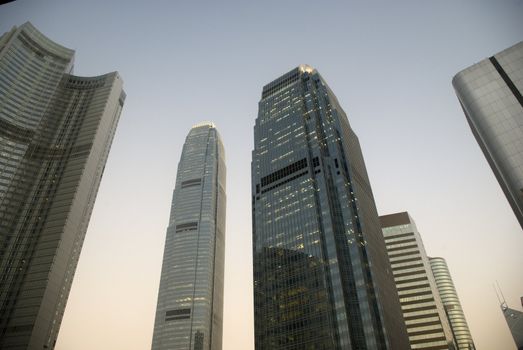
(450, 300)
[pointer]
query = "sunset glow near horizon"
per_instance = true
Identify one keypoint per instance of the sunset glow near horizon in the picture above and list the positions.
(390, 66)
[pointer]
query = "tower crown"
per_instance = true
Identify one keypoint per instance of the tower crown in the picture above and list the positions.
(204, 123)
(306, 68)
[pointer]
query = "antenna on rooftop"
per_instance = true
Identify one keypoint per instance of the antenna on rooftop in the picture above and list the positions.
(502, 301)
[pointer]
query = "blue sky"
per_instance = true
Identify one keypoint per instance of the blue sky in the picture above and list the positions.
(390, 65)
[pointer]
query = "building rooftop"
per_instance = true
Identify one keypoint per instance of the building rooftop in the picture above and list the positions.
(204, 123)
(395, 219)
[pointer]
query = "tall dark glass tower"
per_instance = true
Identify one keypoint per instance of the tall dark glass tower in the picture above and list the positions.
(322, 278)
(514, 320)
(56, 130)
(189, 314)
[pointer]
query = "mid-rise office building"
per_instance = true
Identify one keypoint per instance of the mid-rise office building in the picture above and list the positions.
(490, 93)
(425, 319)
(189, 314)
(56, 130)
(451, 304)
(322, 278)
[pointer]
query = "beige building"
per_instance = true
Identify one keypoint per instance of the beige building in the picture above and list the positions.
(423, 312)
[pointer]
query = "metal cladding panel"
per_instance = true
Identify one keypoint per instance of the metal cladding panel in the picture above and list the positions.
(490, 93)
(193, 262)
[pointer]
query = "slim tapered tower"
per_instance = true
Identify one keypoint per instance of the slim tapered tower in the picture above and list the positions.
(56, 130)
(189, 313)
(322, 278)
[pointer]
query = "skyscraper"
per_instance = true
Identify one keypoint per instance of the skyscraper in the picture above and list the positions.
(56, 130)
(425, 318)
(452, 306)
(189, 314)
(322, 278)
(514, 320)
(490, 94)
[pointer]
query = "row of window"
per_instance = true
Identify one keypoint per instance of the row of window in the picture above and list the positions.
(191, 183)
(281, 83)
(284, 172)
(177, 314)
(189, 226)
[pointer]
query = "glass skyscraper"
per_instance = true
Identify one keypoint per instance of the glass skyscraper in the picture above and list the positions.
(514, 320)
(322, 278)
(490, 93)
(449, 298)
(56, 130)
(189, 314)
(425, 318)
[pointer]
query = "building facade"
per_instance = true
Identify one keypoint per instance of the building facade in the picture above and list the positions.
(425, 318)
(452, 306)
(490, 93)
(322, 278)
(514, 320)
(56, 130)
(189, 314)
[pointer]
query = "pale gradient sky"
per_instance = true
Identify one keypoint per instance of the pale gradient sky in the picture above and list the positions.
(390, 63)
